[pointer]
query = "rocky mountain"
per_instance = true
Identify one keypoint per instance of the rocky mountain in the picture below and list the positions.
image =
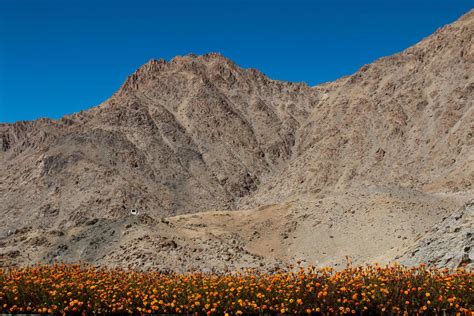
(228, 168)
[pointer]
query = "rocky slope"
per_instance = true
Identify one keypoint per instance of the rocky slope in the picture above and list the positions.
(229, 168)
(404, 120)
(189, 135)
(449, 244)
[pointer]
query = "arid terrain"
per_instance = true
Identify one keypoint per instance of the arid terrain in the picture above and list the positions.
(228, 168)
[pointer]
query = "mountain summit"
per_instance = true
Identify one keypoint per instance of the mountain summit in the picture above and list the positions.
(227, 168)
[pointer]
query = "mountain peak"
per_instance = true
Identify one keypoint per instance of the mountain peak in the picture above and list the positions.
(387, 151)
(189, 62)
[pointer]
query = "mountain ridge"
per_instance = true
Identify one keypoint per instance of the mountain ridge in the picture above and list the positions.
(294, 170)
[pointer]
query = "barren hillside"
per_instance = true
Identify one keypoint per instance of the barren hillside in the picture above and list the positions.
(229, 168)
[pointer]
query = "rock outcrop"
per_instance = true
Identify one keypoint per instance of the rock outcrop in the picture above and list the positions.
(449, 244)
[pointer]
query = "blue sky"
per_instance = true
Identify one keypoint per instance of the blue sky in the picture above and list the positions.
(62, 56)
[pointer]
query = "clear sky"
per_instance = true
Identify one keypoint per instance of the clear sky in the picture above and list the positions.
(62, 56)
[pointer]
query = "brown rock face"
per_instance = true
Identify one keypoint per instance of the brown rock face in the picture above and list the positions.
(228, 168)
(189, 135)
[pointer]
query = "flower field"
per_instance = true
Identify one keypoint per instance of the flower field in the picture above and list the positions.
(372, 289)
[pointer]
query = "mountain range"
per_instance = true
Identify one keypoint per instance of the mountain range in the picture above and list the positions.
(198, 164)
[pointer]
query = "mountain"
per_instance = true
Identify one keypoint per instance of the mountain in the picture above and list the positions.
(228, 168)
